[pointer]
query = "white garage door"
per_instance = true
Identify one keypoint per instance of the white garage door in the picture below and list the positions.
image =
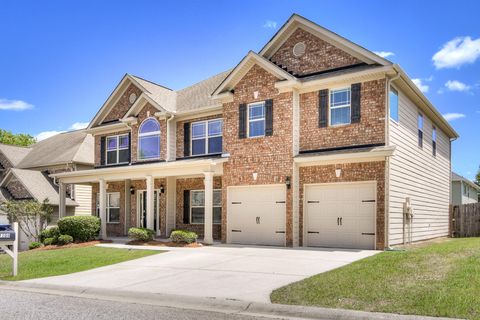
(256, 215)
(340, 215)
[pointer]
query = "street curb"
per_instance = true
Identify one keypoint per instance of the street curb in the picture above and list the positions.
(226, 306)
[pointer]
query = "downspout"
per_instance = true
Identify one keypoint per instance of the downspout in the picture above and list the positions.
(387, 159)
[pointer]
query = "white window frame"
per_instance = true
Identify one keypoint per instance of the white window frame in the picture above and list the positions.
(206, 137)
(117, 137)
(249, 106)
(154, 133)
(108, 207)
(213, 206)
(330, 108)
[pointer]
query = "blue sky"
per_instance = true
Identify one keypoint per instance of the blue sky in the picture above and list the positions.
(59, 60)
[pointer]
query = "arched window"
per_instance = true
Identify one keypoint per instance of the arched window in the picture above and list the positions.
(149, 140)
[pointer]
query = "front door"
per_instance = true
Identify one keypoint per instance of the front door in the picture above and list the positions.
(142, 221)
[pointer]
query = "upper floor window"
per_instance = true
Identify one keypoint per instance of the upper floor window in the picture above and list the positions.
(434, 141)
(256, 119)
(340, 106)
(149, 140)
(197, 206)
(420, 130)
(393, 96)
(207, 137)
(118, 149)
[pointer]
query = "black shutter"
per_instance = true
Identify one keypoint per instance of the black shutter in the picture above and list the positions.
(323, 108)
(129, 157)
(356, 95)
(269, 117)
(102, 150)
(186, 139)
(186, 206)
(242, 121)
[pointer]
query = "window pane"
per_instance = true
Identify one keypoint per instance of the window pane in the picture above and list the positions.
(340, 97)
(150, 125)
(217, 215)
(215, 128)
(114, 200)
(434, 134)
(198, 130)
(394, 105)
(198, 146)
(197, 199)
(198, 215)
(215, 145)
(149, 147)
(420, 122)
(340, 116)
(123, 155)
(256, 128)
(256, 111)
(114, 215)
(111, 157)
(217, 197)
(123, 141)
(111, 143)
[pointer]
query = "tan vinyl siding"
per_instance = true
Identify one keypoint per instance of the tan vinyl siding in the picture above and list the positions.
(416, 173)
(83, 196)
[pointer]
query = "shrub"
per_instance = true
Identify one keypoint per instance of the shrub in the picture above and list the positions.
(182, 236)
(65, 239)
(81, 228)
(52, 232)
(34, 245)
(49, 241)
(142, 234)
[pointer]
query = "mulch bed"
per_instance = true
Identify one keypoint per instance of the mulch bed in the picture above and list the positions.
(164, 244)
(73, 245)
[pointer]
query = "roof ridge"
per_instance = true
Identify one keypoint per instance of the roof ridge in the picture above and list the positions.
(154, 83)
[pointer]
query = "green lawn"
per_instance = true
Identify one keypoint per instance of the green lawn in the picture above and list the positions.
(440, 279)
(45, 263)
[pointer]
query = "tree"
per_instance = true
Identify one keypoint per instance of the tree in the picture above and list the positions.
(32, 216)
(477, 177)
(19, 139)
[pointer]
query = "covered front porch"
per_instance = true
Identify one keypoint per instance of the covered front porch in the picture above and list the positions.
(162, 196)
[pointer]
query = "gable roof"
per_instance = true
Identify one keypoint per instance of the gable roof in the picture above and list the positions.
(69, 147)
(296, 21)
(457, 177)
(37, 184)
(14, 154)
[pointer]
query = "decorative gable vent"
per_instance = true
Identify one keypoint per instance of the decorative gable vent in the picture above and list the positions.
(299, 49)
(132, 98)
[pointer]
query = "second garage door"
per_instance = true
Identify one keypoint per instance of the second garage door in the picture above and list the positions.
(256, 215)
(340, 215)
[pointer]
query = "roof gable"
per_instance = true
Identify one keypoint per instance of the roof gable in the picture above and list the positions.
(14, 154)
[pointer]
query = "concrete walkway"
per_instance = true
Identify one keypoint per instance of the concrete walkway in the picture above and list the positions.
(220, 271)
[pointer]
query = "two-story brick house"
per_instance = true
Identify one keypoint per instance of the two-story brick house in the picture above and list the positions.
(312, 141)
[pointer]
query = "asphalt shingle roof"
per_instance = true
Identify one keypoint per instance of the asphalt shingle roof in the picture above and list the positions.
(14, 154)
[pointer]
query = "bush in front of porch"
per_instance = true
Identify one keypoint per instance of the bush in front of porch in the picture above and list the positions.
(141, 234)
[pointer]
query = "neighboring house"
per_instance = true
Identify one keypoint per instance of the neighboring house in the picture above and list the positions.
(313, 141)
(25, 173)
(464, 191)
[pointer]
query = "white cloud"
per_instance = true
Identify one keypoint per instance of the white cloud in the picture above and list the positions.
(453, 116)
(457, 52)
(384, 54)
(16, 105)
(78, 125)
(455, 85)
(46, 134)
(270, 24)
(423, 87)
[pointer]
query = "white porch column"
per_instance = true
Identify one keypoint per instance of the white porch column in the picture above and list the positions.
(103, 208)
(208, 223)
(62, 193)
(150, 202)
(171, 204)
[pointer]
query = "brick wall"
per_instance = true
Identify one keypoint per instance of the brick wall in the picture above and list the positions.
(180, 133)
(319, 55)
(195, 184)
(123, 104)
(351, 172)
(370, 129)
(270, 157)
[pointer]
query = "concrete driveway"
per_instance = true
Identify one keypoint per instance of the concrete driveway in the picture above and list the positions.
(233, 272)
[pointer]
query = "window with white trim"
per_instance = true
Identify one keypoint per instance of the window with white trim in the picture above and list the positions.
(340, 106)
(393, 102)
(112, 207)
(149, 140)
(434, 141)
(197, 206)
(256, 119)
(420, 130)
(117, 149)
(206, 137)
